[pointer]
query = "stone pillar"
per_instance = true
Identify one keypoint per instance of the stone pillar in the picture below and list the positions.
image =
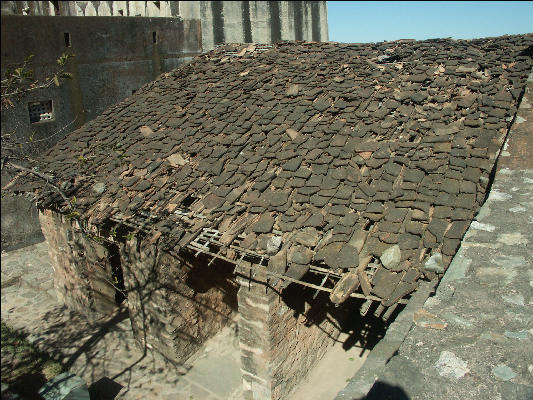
(324, 32)
(278, 346)
(71, 285)
(256, 305)
(287, 24)
(206, 16)
(260, 22)
(307, 21)
(233, 22)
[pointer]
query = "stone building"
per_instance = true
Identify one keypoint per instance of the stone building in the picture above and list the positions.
(299, 185)
(222, 21)
(115, 56)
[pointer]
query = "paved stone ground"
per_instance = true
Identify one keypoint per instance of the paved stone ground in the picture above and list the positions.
(105, 354)
(474, 338)
(321, 383)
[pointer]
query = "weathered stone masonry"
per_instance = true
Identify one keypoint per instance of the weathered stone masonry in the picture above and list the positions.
(174, 304)
(83, 274)
(278, 344)
(355, 167)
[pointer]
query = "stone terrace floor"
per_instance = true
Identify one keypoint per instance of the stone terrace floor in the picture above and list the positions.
(474, 338)
(107, 352)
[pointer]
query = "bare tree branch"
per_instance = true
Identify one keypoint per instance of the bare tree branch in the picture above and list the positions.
(19, 91)
(45, 177)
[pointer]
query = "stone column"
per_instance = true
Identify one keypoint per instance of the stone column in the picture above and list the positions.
(233, 22)
(324, 33)
(260, 21)
(278, 345)
(256, 304)
(287, 22)
(206, 16)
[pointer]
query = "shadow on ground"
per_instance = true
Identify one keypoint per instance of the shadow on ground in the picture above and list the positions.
(363, 331)
(24, 368)
(384, 391)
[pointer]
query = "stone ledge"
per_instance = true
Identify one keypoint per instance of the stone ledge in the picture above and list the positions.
(375, 363)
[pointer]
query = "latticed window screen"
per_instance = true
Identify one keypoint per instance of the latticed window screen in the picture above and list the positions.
(41, 111)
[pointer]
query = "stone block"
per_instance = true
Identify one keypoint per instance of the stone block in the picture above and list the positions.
(278, 347)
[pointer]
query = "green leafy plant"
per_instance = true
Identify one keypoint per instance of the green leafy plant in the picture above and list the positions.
(129, 235)
(19, 79)
(71, 215)
(25, 368)
(97, 239)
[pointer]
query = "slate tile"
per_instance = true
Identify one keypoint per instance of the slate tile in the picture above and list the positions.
(263, 225)
(293, 164)
(142, 185)
(437, 227)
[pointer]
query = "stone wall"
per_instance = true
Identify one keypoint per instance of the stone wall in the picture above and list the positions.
(175, 305)
(281, 336)
(83, 268)
(93, 8)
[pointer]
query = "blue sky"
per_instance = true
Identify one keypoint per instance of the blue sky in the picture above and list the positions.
(373, 21)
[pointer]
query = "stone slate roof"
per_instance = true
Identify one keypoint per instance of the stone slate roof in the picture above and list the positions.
(342, 150)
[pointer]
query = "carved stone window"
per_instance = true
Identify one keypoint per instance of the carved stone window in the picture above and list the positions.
(41, 111)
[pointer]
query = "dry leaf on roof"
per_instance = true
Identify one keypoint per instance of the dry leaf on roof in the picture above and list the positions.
(440, 69)
(140, 172)
(171, 207)
(155, 237)
(293, 90)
